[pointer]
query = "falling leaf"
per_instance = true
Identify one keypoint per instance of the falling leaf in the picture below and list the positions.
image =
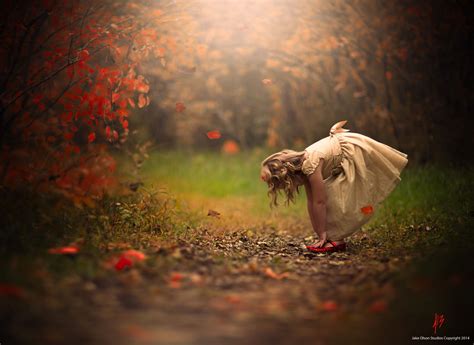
(388, 75)
(378, 306)
(180, 107)
(213, 134)
(123, 263)
(68, 250)
(271, 274)
(367, 209)
(213, 213)
(142, 100)
(267, 82)
(91, 137)
(329, 306)
(230, 147)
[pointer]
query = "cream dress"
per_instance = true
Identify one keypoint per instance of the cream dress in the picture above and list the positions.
(358, 172)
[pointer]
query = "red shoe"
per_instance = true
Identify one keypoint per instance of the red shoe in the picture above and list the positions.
(335, 248)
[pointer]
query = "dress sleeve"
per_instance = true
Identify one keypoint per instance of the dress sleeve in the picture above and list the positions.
(311, 163)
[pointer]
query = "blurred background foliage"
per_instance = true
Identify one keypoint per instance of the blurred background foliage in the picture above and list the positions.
(280, 73)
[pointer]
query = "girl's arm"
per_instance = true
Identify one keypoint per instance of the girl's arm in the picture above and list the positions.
(316, 201)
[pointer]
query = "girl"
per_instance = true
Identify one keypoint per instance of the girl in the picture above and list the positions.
(345, 176)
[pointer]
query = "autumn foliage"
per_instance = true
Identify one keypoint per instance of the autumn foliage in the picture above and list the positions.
(69, 81)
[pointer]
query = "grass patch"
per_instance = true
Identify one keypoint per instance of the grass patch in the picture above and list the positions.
(431, 203)
(33, 223)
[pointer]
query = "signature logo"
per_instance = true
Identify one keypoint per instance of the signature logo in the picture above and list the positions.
(439, 320)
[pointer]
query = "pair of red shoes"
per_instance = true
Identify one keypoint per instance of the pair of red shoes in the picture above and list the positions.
(335, 248)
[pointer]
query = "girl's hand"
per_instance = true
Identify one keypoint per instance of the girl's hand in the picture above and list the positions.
(322, 240)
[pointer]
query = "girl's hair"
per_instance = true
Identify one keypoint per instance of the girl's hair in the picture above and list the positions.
(282, 171)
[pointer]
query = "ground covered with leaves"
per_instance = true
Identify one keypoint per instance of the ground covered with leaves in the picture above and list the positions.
(150, 269)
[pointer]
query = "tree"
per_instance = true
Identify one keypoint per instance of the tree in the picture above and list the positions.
(69, 79)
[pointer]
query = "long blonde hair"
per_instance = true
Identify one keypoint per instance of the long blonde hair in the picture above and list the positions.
(282, 172)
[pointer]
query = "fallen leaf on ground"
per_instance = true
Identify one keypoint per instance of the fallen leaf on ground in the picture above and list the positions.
(123, 263)
(329, 306)
(133, 255)
(267, 81)
(180, 107)
(138, 332)
(233, 299)
(128, 258)
(213, 213)
(68, 250)
(175, 279)
(271, 274)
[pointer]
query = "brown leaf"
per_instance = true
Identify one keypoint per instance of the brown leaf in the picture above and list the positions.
(180, 107)
(213, 213)
(271, 274)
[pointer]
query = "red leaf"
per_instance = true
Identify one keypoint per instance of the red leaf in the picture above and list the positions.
(378, 306)
(230, 147)
(122, 112)
(91, 137)
(133, 255)
(213, 134)
(122, 104)
(142, 100)
(131, 102)
(388, 75)
(125, 124)
(180, 107)
(175, 280)
(108, 132)
(123, 263)
(68, 250)
(68, 136)
(367, 209)
(329, 306)
(83, 54)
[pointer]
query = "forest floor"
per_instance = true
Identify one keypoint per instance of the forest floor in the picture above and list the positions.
(240, 275)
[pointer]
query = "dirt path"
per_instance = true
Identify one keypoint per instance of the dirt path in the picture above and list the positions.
(240, 287)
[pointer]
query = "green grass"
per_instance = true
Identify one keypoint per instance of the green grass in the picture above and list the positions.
(428, 192)
(430, 206)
